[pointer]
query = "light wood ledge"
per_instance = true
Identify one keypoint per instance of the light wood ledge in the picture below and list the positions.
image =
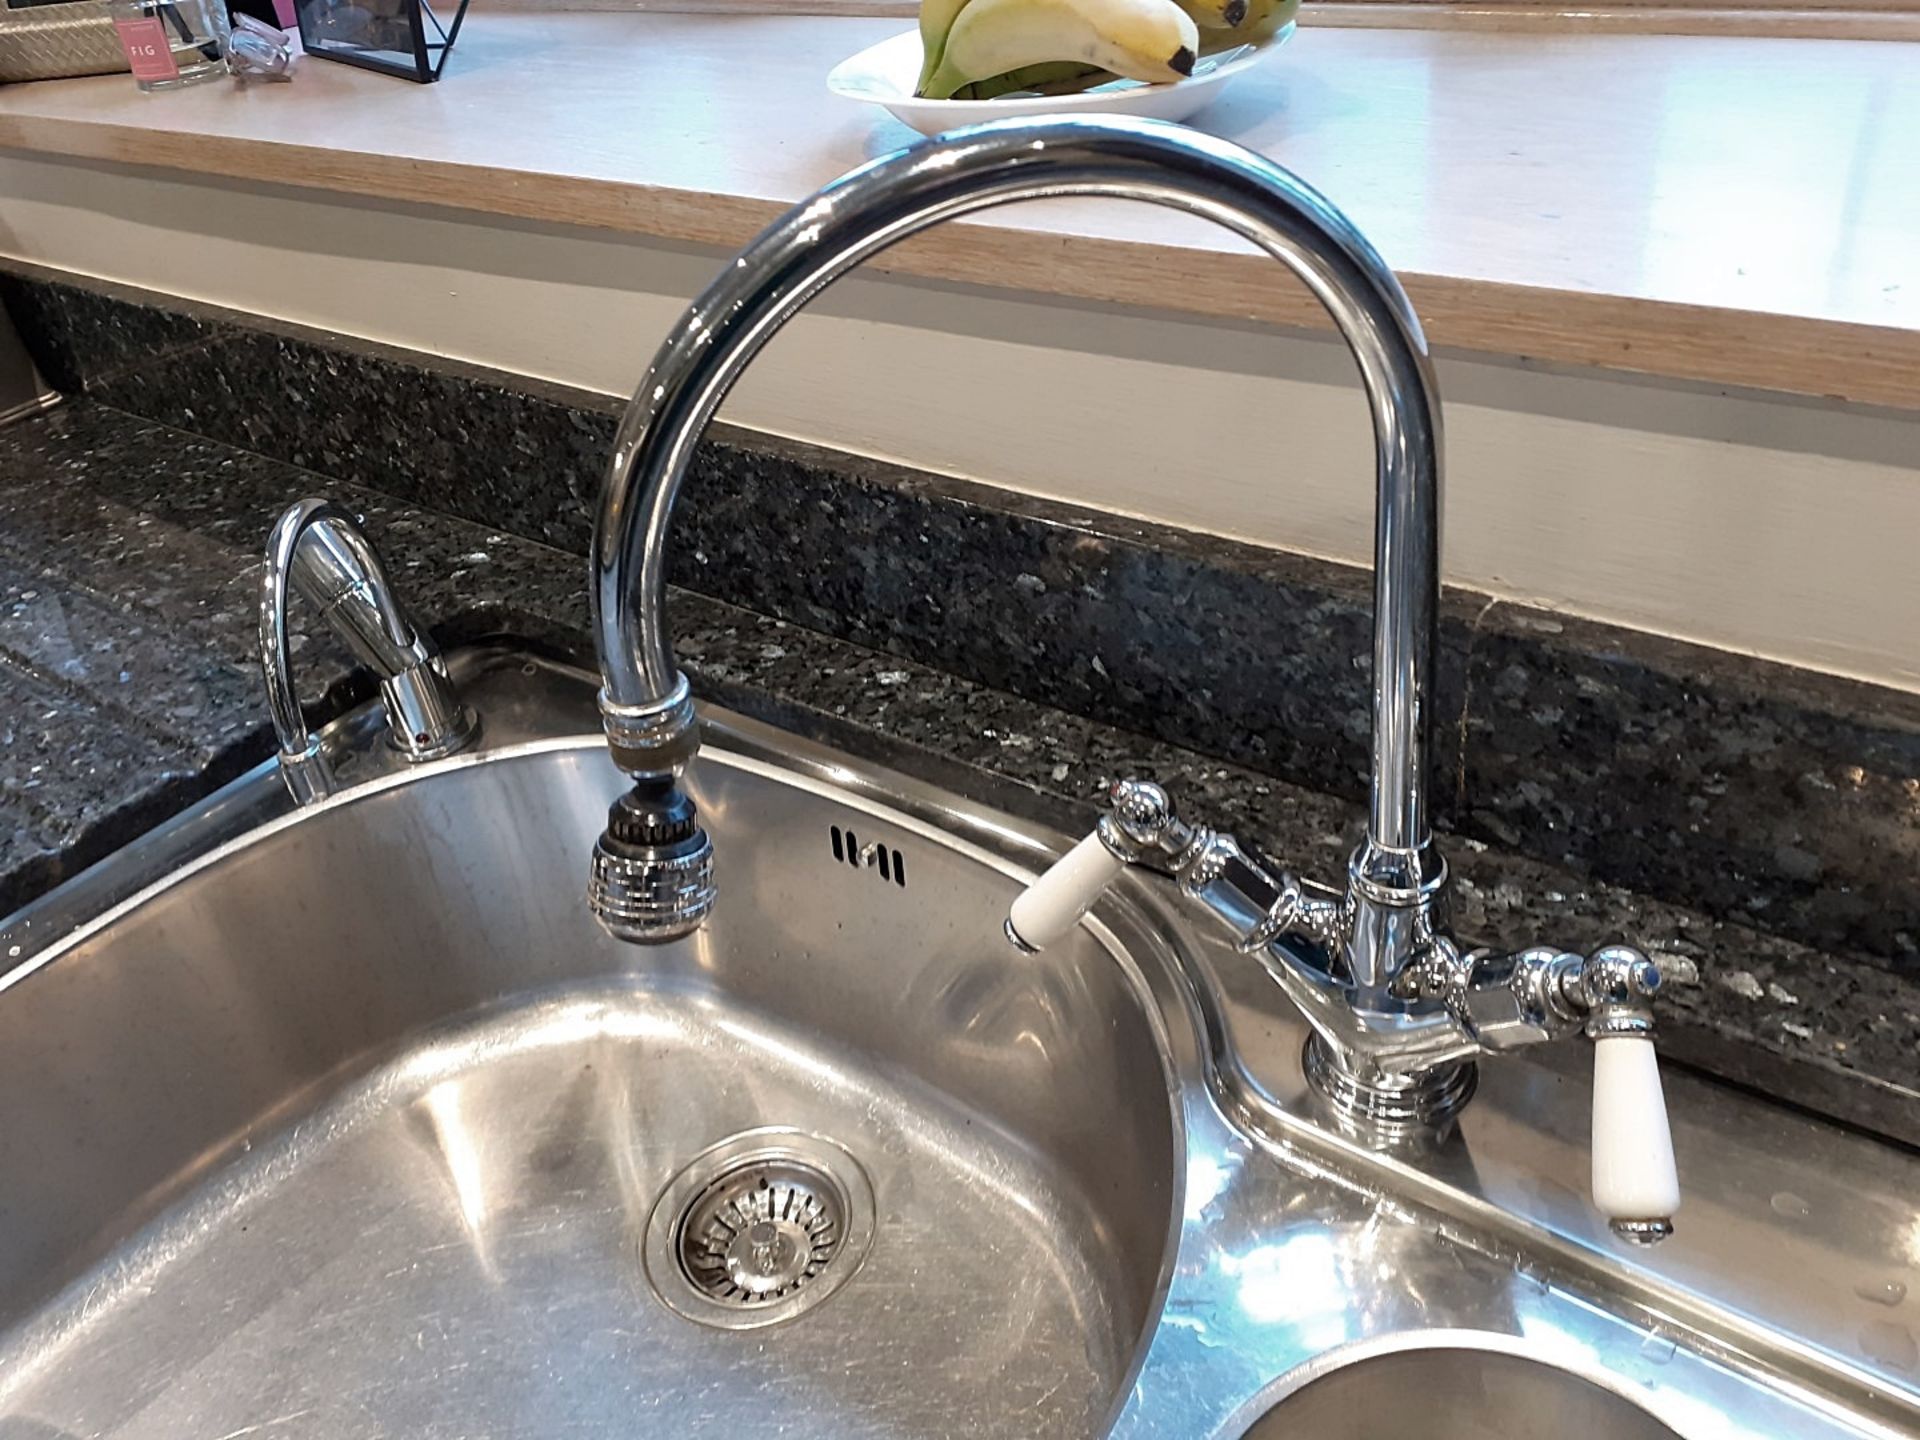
(1738, 211)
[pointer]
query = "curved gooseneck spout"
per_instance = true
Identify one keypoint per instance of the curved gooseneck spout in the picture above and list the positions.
(648, 715)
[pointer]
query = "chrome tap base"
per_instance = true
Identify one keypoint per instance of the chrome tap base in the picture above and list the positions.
(1387, 1110)
(425, 719)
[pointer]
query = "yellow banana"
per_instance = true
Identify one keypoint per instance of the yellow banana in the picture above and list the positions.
(936, 19)
(1264, 19)
(1216, 14)
(1151, 40)
(1056, 77)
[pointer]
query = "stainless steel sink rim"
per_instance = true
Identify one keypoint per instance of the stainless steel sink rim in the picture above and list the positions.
(786, 1286)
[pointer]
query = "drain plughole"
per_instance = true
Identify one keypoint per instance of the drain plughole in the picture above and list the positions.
(758, 1228)
(760, 1231)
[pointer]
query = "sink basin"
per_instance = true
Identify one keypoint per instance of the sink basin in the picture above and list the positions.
(363, 1126)
(1454, 1394)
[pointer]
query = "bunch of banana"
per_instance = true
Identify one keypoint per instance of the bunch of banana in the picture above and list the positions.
(977, 49)
(969, 40)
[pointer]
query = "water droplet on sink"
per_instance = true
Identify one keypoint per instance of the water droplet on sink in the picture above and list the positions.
(1882, 1292)
(1791, 1206)
(1657, 1349)
(1888, 1342)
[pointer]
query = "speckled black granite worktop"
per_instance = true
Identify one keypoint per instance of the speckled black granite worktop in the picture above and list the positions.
(129, 566)
(1749, 791)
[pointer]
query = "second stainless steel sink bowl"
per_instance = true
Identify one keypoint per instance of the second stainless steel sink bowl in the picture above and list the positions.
(363, 1126)
(1455, 1393)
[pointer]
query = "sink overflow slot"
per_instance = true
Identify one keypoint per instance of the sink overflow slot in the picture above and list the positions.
(891, 864)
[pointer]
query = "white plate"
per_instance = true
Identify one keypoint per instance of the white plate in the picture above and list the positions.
(885, 74)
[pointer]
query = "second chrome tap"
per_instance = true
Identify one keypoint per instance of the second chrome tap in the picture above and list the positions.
(318, 550)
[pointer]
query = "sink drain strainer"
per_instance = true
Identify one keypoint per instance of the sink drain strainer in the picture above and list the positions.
(759, 1228)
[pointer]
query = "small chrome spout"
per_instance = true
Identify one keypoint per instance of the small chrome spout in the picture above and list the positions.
(318, 550)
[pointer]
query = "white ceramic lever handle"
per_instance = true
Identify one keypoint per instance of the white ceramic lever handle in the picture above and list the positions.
(1053, 904)
(1635, 1184)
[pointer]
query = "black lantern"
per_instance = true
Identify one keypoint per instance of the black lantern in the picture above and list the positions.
(395, 37)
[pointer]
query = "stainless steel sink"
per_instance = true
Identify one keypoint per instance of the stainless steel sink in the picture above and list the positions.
(355, 1123)
(364, 1126)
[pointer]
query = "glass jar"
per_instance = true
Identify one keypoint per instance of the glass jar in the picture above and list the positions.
(171, 43)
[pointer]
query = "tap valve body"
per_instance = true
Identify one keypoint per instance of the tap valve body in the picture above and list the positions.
(1397, 1056)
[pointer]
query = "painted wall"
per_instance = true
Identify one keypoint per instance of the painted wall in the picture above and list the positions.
(1781, 527)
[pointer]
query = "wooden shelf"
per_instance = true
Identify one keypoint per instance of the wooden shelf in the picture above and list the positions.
(1737, 211)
